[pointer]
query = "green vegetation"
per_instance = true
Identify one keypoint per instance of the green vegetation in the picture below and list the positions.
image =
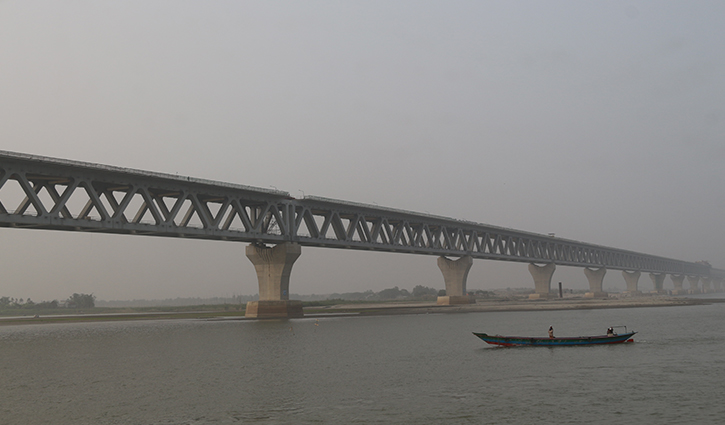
(75, 301)
(419, 293)
(81, 301)
(19, 306)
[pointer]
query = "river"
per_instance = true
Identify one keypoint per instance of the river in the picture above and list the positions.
(410, 369)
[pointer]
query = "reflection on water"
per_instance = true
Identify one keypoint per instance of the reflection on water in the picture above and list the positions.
(390, 369)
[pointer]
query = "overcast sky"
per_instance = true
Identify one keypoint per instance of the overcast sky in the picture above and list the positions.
(599, 121)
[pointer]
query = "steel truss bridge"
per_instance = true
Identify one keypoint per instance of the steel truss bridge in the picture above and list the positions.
(47, 193)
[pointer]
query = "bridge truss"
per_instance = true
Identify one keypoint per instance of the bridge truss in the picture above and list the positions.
(53, 194)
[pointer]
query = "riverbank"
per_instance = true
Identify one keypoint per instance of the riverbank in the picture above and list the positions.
(373, 309)
(509, 305)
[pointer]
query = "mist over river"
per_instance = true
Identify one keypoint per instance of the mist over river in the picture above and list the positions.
(410, 369)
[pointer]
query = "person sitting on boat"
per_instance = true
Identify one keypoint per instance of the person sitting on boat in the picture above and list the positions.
(610, 332)
(551, 331)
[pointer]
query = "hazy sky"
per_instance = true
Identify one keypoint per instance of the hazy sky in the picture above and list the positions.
(599, 121)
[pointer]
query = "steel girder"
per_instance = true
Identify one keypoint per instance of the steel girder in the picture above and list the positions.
(47, 193)
(359, 226)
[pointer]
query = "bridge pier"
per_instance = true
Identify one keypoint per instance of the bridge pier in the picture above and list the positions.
(658, 280)
(542, 280)
(273, 266)
(595, 278)
(706, 284)
(694, 282)
(631, 279)
(716, 284)
(455, 275)
(677, 280)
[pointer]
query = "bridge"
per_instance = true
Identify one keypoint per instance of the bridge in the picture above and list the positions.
(39, 192)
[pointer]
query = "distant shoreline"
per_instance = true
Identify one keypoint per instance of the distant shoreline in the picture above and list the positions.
(517, 305)
(383, 308)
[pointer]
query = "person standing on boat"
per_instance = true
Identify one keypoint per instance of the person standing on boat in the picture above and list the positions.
(551, 331)
(610, 332)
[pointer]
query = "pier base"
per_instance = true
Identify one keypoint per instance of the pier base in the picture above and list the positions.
(598, 294)
(454, 299)
(274, 309)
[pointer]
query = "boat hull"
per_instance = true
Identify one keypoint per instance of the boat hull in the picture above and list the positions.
(509, 341)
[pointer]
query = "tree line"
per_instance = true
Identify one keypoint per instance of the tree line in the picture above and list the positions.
(74, 301)
(419, 292)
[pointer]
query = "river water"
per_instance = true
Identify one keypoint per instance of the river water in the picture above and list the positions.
(413, 369)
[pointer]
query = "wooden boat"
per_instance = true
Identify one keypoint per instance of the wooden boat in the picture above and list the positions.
(509, 341)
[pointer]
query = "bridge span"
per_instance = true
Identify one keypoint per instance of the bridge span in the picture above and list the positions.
(39, 192)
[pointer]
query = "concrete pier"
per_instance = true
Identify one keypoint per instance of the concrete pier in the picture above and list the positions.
(631, 279)
(716, 284)
(455, 275)
(706, 284)
(542, 280)
(596, 278)
(273, 266)
(677, 280)
(694, 282)
(658, 280)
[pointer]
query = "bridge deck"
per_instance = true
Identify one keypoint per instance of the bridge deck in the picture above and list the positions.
(48, 193)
